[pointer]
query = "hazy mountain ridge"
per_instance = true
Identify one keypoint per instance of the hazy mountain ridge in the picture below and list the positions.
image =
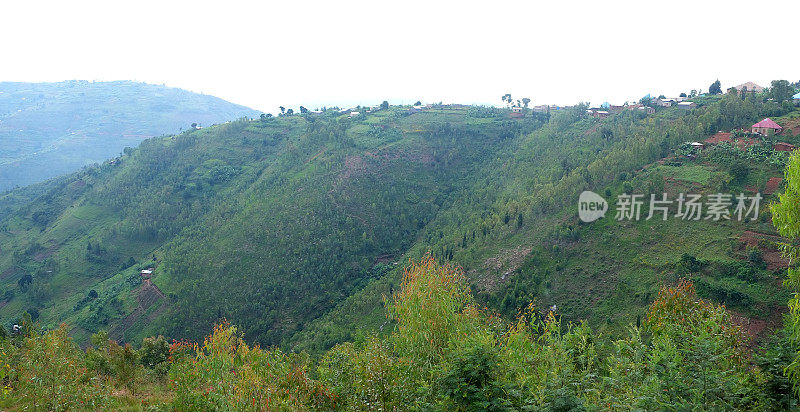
(49, 129)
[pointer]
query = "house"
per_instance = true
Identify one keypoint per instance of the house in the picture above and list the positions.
(687, 105)
(541, 108)
(646, 109)
(516, 109)
(796, 98)
(749, 87)
(783, 147)
(665, 102)
(697, 145)
(766, 127)
(353, 114)
(597, 113)
(146, 273)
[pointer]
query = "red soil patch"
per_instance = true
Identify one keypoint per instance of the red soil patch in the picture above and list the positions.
(758, 329)
(792, 125)
(772, 185)
(767, 245)
(719, 138)
(726, 137)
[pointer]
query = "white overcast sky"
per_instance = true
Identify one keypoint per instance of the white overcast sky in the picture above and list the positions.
(264, 54)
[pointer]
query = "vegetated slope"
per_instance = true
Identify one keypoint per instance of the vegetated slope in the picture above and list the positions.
(269, 223)
(49, 129)
(516, 231)
(293, 227)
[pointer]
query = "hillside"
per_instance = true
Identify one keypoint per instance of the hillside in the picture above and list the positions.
(294, 227)
(50, 129)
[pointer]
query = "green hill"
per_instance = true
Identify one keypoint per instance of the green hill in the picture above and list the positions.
(294, 227)
(50, 129)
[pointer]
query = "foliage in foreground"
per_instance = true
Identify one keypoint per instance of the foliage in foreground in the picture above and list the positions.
(445, 353)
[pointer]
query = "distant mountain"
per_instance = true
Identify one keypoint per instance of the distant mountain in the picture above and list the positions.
(50, 129)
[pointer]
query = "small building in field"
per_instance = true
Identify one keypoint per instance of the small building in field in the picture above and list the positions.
(516, 109)
(783, 147)
(353, 114)
(146, 273)
(766, 127)
(697, 145)
(796, 98)
(687, 105)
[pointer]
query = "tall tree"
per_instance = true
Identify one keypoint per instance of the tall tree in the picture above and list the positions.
(786, 218)
(781, 90)
(715, 88)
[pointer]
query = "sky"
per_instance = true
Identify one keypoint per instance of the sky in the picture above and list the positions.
(264, 54)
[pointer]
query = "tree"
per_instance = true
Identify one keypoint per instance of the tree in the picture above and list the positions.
(785, 219)
(682, 94)
(507, 99)
(781, 90)
(153, 352)
(385, 105)
(289, 112)
(418, 103)
(715, 88)
(525, 101)
(283, 109)
(25, 281)
(303, 110)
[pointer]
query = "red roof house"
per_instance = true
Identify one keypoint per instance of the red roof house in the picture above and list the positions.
(766, 127)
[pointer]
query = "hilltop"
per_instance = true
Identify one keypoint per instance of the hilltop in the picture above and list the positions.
(50, 129)
(294, 227)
